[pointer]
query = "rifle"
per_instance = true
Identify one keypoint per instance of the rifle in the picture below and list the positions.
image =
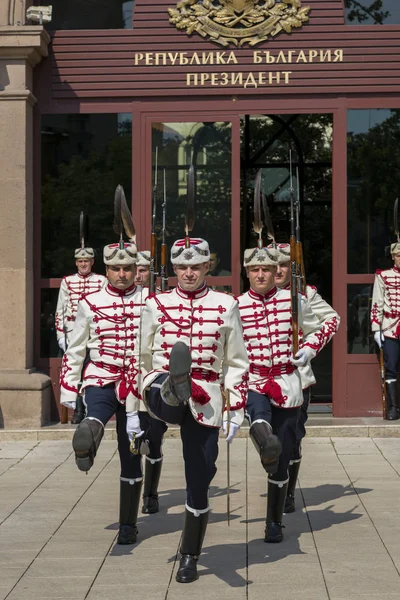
(301, 276)
(228, 458)
(383, 382)
(153, 274)
(293, 265)
(164, 258)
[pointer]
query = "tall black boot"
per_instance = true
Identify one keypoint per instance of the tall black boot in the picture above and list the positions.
(267, 445)
(194, 531)
(129, 499)
(177, 388)
(294, 468)
(86, 440)
(275, 503)
(392, 410)
(79, 412)
(152, 474)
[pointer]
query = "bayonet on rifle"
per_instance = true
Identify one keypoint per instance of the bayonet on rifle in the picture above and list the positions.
(301, 276)
(153, 250)
(293, 265)
(164, 257)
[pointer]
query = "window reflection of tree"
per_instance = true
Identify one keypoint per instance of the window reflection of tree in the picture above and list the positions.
(83, 161)
(89, 14)
(369, 13)
(208, 146)
(373, 180)
(314, 133)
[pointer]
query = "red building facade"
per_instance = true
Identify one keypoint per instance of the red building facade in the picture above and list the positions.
(327, 87)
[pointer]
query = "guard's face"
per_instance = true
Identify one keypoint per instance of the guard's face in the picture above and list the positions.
(214, 261)
(191, 278)
(84, 265)
(396, 259)
(261, 278)
(282, 276)
(121, 276)
(142, 276)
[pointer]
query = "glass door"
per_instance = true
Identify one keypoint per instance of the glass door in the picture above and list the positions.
(211, 145)
(266, 143)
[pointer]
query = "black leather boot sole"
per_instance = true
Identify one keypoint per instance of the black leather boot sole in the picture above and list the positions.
(82, 444)
(270, 454)
(187, 572)
(273, 533)
(179, 370)
(150, 505)
(127, 535)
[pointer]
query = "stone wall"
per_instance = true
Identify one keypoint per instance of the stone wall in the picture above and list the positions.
(24, 394)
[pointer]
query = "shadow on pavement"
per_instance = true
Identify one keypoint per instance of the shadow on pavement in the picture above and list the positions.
(225, 561)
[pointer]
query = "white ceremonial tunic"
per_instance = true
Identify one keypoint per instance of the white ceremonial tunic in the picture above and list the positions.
(209, 323)
(72, 289)
(385, 310)
(329, 318)
(108, 325)
(267, 331)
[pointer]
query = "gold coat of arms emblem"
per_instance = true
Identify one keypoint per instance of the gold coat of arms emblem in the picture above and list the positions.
(238, 22)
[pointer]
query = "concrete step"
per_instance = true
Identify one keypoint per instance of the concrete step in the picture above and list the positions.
(318, 425)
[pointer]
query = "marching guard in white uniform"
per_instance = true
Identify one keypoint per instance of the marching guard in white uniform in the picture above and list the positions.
(192, 349)
(107, 324)
(72, 289)
(275, 389)
(330, 319)
(385, 325)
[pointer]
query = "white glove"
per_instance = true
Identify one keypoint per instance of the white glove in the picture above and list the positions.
(379, 338)
(233, 429)
(133, 425)
(62, 343)
(302, 357)
(69, 404)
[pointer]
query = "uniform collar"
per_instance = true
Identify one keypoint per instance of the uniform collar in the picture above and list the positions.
(115, 292)
(396, 269)
(84, 276)
(199, 293)
(286, 286)
(266, 296)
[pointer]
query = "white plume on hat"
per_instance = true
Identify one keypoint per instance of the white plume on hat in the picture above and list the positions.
(259, 257)
(190, 251)
(143, 258)
(121, 253)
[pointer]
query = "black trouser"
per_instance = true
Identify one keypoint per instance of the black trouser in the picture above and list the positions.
(199, 443)
(284, 424)
(153, 432)
(301, 423)
(102, 404)
(391, 355)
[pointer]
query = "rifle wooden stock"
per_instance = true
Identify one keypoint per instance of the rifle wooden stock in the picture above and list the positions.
(294, 298)
(64, 415)
(383, 382)
(300, 268)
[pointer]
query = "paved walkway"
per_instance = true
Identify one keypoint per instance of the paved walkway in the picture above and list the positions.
(58, 527)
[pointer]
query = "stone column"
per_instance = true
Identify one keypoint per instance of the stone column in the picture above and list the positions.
(24, 394)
